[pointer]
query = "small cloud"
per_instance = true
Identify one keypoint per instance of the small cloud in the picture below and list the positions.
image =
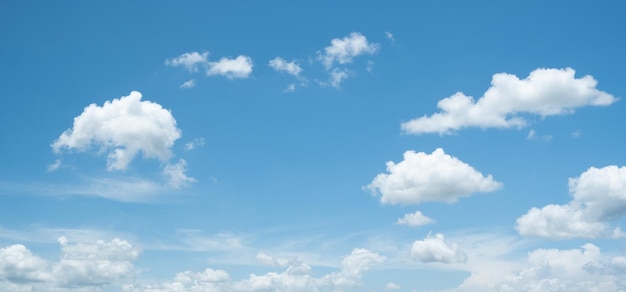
(279, 64)
(576, 134)
(415, 219)
(197, 142)
(240, 67)
(392, 286)
(532, 135)
(337, 76)
(189, 60)
(435, 249)
(390, 37)
(290, 88)
(176, 176)
(343, 50)
(54, 166)
(618, 233)
(370, 66)
(188, 84)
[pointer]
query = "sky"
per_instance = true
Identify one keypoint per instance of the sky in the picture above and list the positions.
(312, 146)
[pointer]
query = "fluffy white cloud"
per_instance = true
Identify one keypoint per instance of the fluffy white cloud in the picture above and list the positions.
(279, 64)
(337, 76)
(599, 196)
(240, 67)
(81, 265)
(265, 259)
(566, 270)
(188, 84)
(602, 191)
(343, 50)
(297, 277)
(435, 249)
(422, 177)
(560, 222)
(94, 264)
(123, 128)
(415, 219)
(190, 61)
(176, 174)
(544, 92)
(19, 265)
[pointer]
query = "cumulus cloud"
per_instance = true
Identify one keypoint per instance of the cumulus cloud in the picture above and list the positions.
(337, 76)
(544, 92)
(19, 265)
(279, 64)
(415, 219)
(176, 174)
(435, 249)
(81, 265)
(296, 277)
(599, 197)
(191, 61)
(423, 177)
(123, 127)
(583, 269)
(265, 259)
(392, 286)
(343, 50)
(239, 67)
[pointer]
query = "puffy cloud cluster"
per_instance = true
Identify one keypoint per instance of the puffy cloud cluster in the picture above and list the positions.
(343, 50)
(124, 128)
(581, 269)
(296, 277)
(423, 177)
(191, 61)
(239, 67)
(544, 92)
(435, 249)
(279, 64)
(81, 265)
(599, 196)
(415, 219)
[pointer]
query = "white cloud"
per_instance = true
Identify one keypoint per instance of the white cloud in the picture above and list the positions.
(296, 277)
(392, 286)
(435, 249)
(337, 76)
(189, 60)
(544, 92)
(602, 191)
(265, 259)
(559, 222)
(54, 166)
(599, 196)
(240, 67)
(175, 174)
(279, 64)
(81, 265)
(197, 142)
(582, 269)
(415, 219)
(343, 50)
(290, 88)
(123, 128)
(188, 84)
(390, 37)
(94, 264)
(422, 177)
(19, 265)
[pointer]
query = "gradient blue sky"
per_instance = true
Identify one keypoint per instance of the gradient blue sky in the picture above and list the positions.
(312, 146)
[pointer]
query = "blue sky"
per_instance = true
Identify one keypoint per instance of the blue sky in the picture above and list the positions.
(312, 146)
